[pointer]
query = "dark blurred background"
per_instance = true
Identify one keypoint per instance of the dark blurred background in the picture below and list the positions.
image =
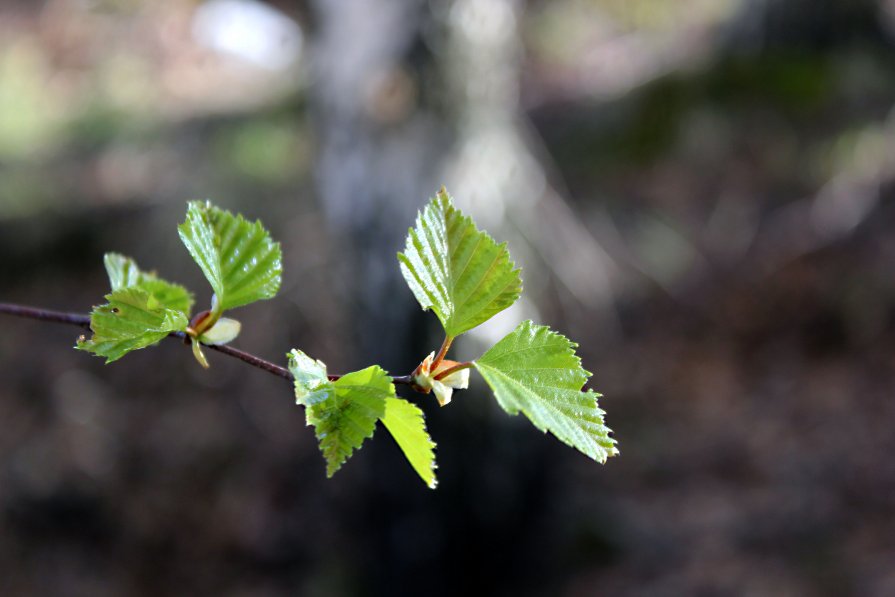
(700, 194)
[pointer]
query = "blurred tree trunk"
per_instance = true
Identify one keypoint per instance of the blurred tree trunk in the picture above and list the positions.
(497, 168)
(394, 84)
(381, 143)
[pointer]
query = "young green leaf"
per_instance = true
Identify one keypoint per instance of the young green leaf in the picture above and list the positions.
(344, 413)
(311, 382)
(124, 273)
(406, 424)
(455, 269)
(239, 259)
(348, 415)
(132, 319)
(535, 370)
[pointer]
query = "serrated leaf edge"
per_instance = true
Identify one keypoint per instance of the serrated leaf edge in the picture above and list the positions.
(440, 208)
(600, 452)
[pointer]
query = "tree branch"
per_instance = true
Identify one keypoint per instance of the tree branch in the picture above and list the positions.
(45, 314)
(83, 321)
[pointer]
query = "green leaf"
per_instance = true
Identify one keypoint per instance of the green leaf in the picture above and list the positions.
(239, 259)
(132, 319)
(311, 382)
(124, 273)
(455, 269)
(535, 371)
(406, 424)
(171, 296)
(344, 413)
(348, 415)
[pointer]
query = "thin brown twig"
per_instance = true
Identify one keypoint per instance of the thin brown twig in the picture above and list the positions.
(45, 314)
(83, 321)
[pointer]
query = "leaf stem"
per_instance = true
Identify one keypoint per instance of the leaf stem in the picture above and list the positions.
(83, 321)
(405, 380)
(458, 367)
(445, 346)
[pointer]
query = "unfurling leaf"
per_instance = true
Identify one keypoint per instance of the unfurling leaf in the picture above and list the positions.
(344, 413)
(535, 371)
(124, 273)
(240, 260)
(311, 382)
(456, 270)
(424, 379)
(223, 331)
(132, 319)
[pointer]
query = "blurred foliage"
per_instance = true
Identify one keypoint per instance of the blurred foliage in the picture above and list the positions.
(265, 151)
(29, 117)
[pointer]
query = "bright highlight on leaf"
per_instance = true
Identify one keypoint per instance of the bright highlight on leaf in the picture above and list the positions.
(456, 270)
(535, 371)
(240, 260)
(124, 273)
(344, 413)
(131, 320)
